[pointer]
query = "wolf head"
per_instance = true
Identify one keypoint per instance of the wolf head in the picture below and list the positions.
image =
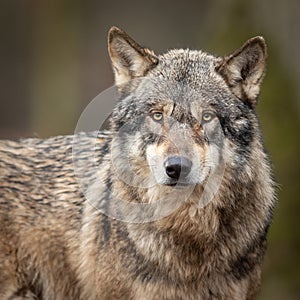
(183, 114)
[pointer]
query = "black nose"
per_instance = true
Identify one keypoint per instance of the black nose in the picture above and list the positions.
(178, 166)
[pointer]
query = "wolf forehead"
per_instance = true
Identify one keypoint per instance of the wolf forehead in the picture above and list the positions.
(194, 68)
(186, 76)
(182, 76)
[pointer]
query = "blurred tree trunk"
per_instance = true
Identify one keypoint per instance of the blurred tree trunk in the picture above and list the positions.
(16, 27)
(54, 110)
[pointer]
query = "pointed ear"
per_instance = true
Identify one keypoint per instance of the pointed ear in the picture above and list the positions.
(129, 60)
(244, 69)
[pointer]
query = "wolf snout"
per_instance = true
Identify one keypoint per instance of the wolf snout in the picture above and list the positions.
(178, 167)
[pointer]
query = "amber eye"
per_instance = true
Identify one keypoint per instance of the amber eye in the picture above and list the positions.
(207, 117)
(157, 116)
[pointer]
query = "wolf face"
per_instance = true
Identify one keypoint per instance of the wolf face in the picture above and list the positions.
(184, 114)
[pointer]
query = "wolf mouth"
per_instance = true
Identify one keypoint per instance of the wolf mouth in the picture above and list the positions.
(178, 184)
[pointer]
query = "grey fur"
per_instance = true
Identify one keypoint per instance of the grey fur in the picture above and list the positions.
(55, 245)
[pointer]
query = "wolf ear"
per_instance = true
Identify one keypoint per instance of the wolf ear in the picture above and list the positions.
(129, 60)
(244, 69)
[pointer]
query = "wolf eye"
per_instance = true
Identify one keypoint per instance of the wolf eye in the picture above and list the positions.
(157, 116)
(207, 117)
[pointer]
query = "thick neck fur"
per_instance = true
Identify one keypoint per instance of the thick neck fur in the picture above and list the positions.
(191, 245)
(178, 243)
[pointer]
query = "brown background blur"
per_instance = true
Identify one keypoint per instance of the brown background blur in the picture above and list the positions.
(53, 62)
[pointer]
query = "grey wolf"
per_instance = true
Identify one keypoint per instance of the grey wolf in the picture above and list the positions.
(174, 111)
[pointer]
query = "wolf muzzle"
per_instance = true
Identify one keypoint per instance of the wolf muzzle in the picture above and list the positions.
(177, 167)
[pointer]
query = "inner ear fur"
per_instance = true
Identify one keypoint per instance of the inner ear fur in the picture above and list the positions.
(244, 70)
(129, 59)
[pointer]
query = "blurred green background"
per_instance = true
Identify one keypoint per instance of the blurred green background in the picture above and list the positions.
(54, 61)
